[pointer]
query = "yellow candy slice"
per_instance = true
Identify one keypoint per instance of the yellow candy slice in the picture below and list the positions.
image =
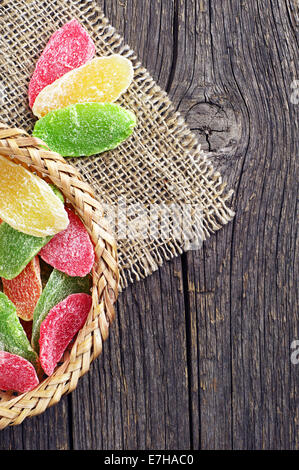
(103, 80)
(27, 203)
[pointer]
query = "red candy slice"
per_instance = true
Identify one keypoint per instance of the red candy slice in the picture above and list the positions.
(71, 250)
(16, 373)
(68, 48)
(25, 289)
(59, 328)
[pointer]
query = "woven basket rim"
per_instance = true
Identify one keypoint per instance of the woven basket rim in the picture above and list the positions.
(31, 153)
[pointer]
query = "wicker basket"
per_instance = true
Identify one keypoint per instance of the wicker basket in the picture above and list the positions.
(27, 150)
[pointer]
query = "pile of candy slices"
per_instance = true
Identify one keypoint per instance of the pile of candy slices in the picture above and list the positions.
(46, 254)
(73, 94)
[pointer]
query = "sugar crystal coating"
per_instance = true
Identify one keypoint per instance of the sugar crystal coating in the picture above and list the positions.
(27, 203)
(86, 128)
(17, 249)
(70, 251)
(58, 287)
(68, 48)
(25, 289)
(16, 373)
(60, 326)
(12, 335)
(103, 80)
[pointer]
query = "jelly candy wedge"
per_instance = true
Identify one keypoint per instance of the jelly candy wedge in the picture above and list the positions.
(60, 326)
(16, 250)
(86, 128)
(58, 287)
(103, 80)
(25, 289)
(68, 48)
(28, 203)
(16, 373)
(12, 334)
(70, 251)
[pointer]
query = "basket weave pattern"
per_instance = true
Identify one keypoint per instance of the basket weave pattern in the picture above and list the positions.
(16, 144)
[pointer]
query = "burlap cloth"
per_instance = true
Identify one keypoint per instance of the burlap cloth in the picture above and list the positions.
(159, 170)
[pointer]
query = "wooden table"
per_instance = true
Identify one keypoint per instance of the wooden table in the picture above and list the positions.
(200, 354)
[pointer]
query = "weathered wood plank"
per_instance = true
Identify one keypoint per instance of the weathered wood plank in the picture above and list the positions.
(228, 79)
(210, 111)
(48, 431)
(243, 299)
(137, 394)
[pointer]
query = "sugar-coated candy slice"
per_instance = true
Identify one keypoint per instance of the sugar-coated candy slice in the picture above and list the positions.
(28, 203)
(25, 289)
(102, 80)
(12, 334)
(17, 249)
(68, 48)
(16, 373)
(86, 128)
(58, 287)
(70, 251)
(60, 326)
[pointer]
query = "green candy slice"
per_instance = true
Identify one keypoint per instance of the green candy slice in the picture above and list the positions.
(85, 129)
(17, 249)
(58, 287)
(13, 338)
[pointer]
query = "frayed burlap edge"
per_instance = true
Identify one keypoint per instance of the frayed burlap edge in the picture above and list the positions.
(221, 214)
(161, 135)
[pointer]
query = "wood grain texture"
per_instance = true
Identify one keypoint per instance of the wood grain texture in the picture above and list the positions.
(141, 383)
(199, 356)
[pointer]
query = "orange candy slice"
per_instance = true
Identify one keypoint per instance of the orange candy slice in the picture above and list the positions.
(25, 289)
(27, 203)
(103, 80)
